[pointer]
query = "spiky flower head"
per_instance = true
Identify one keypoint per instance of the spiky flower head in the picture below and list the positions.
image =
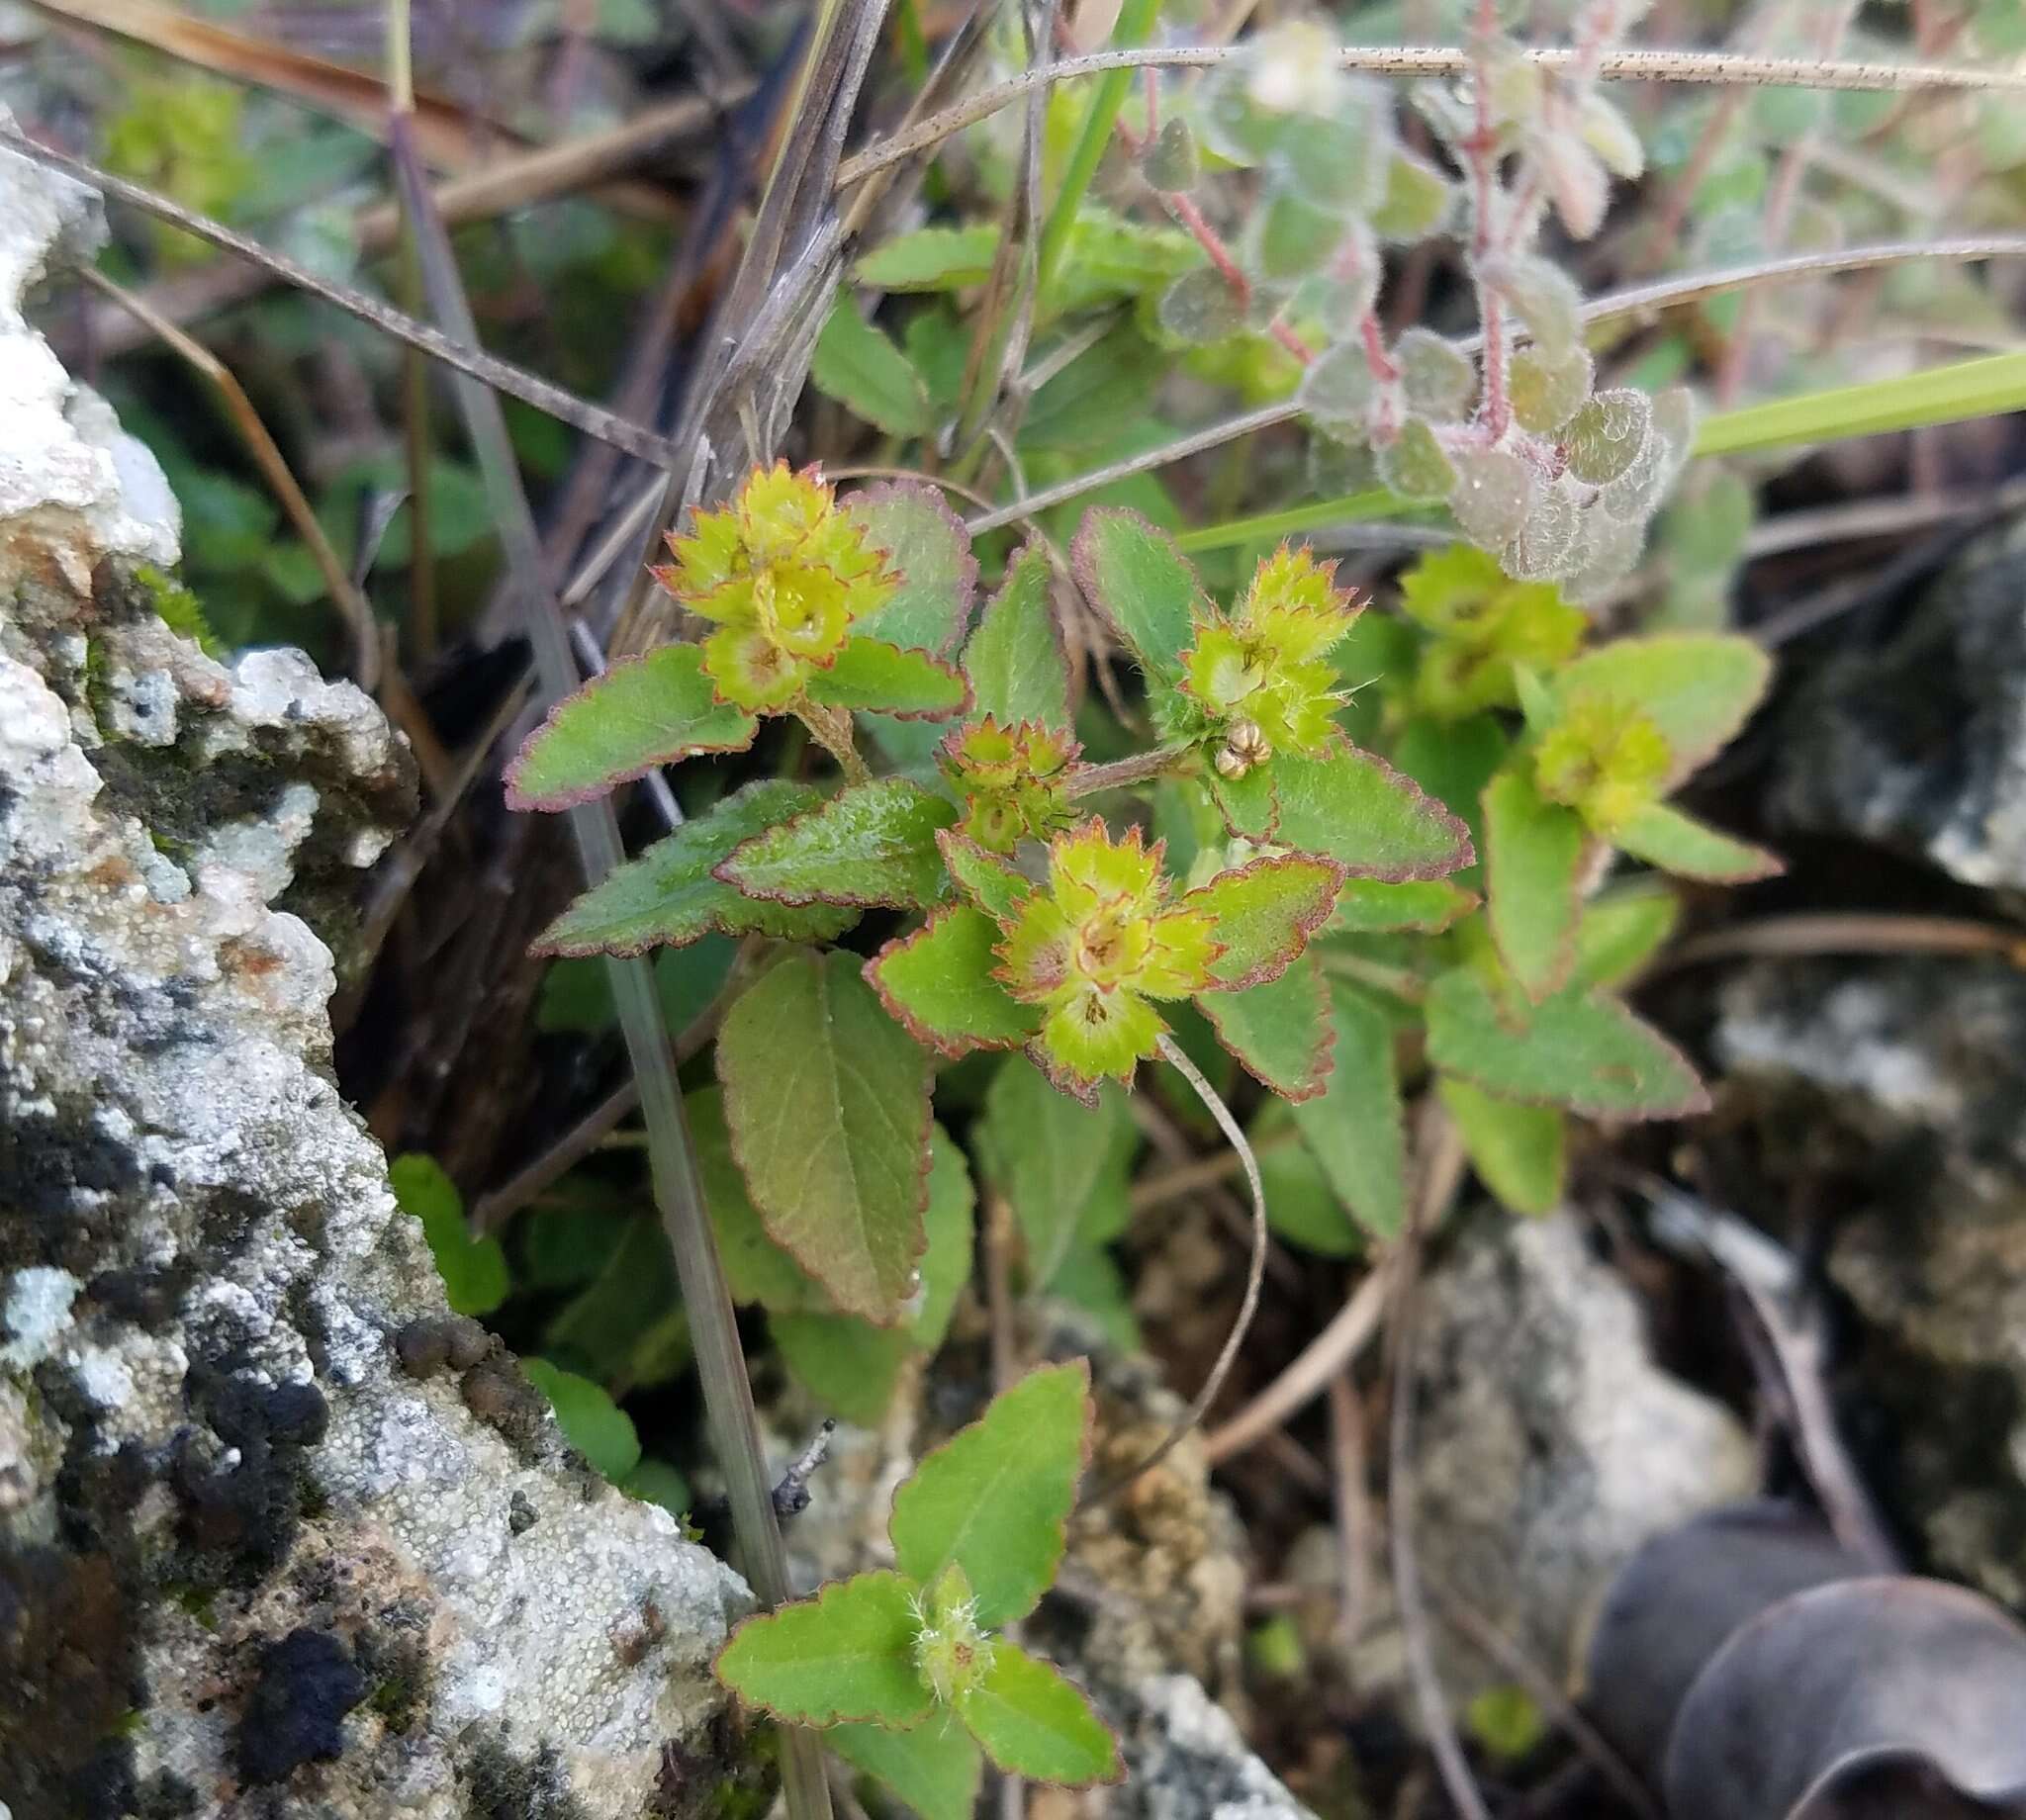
(1013, 780)
(1605, 759)
(784, 573)
(951, 1651)
(1095, 945)
(1262, 676)
(1486, 626)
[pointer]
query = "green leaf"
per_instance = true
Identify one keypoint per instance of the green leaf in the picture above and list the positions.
(827, 1100)
(626, 1328)
(878, 677)
(1062, 1169)
(935, 1769)
(1454, 760)
(643, 712)
(656, 1481)
(577, 991)
(1280, 1030)
(1265, 914)
(1082, 407)
(1679, 843)
(1249, 805)
(1356, 1130)
(931, 259)
(1698, 687)
(1948, 394)
(914, 526)
(1091, 1280)
(1519, 1152)
(1575, 1050)
(1301, 1206)
(1015, 660)
(846, 1654)
(994, 1497)
(756, 1269)
(1622, 931)
(671, 894)
(859, 367)
(939, 982)
(1359, 811)
(591, 1422)
(1372, 906)
(990, 882)
(1534, 853)
(1133, 574)
(474, 1270)
(1034, 1723)
(869, 843)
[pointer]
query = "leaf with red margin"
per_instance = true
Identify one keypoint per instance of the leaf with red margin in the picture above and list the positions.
(1133, 575)
(1679, 843)
(873, 677)
(1015, 659)
(928, 544)
(1357, 810)
(846, 1654)
(940, 983)
(998, 888)
(1356, 1130)
(828, 1103)
(1697, 687)
(642, 713)
(1534, 856)
(1280, 1031)
(1264, 914)
(869, 843)
(1033, 1721)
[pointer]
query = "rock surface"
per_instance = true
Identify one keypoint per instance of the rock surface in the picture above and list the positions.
(248, 1564)
(1894, 1092)
(1920, 744)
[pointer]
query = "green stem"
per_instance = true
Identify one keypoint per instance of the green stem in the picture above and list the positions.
(1136, 23)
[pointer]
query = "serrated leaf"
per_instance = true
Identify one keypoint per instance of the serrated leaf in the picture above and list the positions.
(859, 366)
(939, 982)
(1279, 1030)
(1520, 1152)
(930, 609)
(846, 1654)
(1357, 810)
(669, 896)
(931, 259)
(828, 1103)
(1679, 843)
(1356, 1129)
(1134, 576)
(1621, 930)
(1535, 852)
(1034, 1723)
(1264, 913)
(1015, 660)
(642, 713)
(591, 1422)
(875, 678)
(474, 1270)
(869, 843)
(1697, 687)
(1063, 1168)
(1576, 1049)
(756, 1269)
(990, 882)
(1372, 906)
(993, 1498)
(935, 1768)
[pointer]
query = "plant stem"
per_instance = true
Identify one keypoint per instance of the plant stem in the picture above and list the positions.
(1089, 779)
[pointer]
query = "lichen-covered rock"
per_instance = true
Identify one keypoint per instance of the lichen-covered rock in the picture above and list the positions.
(249, 1565)
(1920, 744)
(1893, 1094)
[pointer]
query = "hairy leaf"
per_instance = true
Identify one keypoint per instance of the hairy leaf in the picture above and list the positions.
(935, 1768)
(1697, 687)
(1015, 660)
(1264, 913)
(1034, 1723)
(1356, 1129)
(671, 894)
(1622, 931)
(756, 1269)
(1518, 1150)
(846, 1654)
(939, 982)
(1535, 852)
(1061, 1167)
(828, 1103)
(1280, 1030)
(1301, 1206)
(1679, 843)
(591, 1422)
(1575, 1050)
(931, 608)
(642, 713)
(1373, 906)
(1134, 576)
(1357, 810)
(869, 843)
(994, 1497)
(986, 879)
(859, 366)
(876, 678)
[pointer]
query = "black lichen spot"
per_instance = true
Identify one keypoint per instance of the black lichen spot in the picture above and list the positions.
(498, 1392)
(239, 1517)
(502, 1787)
(296, 1711)
(422, 1347)
(398, 1665)
(521, 1515)
(147, 1296)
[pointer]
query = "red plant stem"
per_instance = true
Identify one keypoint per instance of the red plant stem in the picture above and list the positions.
(1495, 413)
(1383, 367)
(1183, 208)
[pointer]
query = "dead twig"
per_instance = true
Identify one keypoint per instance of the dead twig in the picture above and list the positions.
(1805, 934)
(1353, 1508)
(1308, 1376)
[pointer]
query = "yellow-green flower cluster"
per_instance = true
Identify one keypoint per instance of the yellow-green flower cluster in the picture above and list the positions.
(1012, 780)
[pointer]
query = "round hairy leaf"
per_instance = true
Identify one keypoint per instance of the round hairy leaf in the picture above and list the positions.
(1608, 434)
(1414, 464)
(1438, 379)
(1495, 491)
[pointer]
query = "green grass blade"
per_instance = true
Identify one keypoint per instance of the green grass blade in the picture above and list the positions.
(1981, 388)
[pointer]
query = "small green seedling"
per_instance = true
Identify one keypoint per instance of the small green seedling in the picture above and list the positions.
(905, 1665)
